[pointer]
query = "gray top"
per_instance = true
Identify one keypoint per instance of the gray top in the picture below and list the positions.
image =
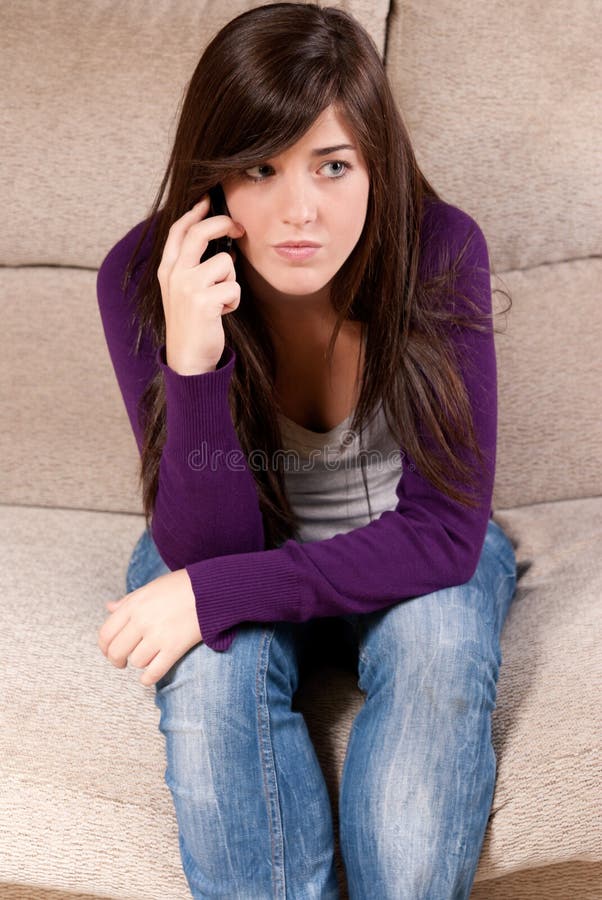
(323, 475)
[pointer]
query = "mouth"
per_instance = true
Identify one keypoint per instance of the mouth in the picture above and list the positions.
(299, 251)
(298, 244)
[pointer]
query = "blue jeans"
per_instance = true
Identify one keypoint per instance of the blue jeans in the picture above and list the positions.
(251, 802)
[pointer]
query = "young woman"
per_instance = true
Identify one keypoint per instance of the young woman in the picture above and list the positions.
(315, 410)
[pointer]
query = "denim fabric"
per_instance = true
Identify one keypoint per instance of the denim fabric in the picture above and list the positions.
(252, 806)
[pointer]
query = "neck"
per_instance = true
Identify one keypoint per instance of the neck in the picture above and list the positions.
(292, 318)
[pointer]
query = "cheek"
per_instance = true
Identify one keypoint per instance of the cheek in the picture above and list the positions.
(351, 221)
(239, 206)
(246, 243)
(251, 222)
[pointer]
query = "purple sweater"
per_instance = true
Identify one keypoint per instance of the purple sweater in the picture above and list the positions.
(207, 517)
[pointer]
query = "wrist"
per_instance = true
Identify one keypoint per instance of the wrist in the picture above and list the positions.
(181, 367)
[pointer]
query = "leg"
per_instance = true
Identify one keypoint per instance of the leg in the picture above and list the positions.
(420, 769)
(252, 806)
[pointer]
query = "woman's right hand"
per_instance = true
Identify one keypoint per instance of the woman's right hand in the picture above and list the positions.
(197, 294)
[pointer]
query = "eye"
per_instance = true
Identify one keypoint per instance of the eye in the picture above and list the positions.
(339, 162)
(256, 177)
(344, 167)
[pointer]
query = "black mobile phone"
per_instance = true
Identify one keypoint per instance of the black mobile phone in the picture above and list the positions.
(217, 207)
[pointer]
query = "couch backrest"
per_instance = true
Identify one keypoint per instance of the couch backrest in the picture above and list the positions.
(500, 105)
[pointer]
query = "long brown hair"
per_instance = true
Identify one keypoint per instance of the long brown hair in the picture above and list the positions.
(258, 87)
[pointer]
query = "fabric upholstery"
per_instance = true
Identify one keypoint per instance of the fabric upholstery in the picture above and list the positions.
(92, 119)
(83, 760)
(501, 101)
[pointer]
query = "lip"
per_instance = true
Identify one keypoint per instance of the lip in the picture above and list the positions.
(298, 244)
(300, 251)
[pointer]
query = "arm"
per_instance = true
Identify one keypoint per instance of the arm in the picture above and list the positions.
(426, 543)
(207, 503)
(199, 512)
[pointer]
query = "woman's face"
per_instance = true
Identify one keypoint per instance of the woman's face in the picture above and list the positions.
(315, 191)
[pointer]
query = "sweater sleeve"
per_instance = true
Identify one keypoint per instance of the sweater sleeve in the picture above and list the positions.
(206, 503)
(426, 543)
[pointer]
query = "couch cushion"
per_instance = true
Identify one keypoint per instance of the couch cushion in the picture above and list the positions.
(92, 98)
(502, 102)
(576, 880)
(505, 124)
(546, 729)
(83, 804)
(549, 375)
(66, 440)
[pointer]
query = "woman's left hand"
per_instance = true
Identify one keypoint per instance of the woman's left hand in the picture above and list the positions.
(152, 626)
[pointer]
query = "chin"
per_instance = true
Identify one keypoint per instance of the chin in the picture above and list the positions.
(298, 281)
(298, 287)
(294, 280)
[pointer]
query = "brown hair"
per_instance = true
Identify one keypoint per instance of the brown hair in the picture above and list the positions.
(258, 87)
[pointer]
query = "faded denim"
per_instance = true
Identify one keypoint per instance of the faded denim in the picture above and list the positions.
(252, 806)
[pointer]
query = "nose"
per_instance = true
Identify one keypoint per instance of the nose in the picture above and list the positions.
(298, 201)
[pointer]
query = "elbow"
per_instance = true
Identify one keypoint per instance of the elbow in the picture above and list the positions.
(162, 547)
(467, 566)
(467, 557)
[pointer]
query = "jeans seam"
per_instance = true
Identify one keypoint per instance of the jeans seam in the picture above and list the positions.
(269, 769)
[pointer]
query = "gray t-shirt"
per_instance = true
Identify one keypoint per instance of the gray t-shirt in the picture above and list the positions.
(324, 479)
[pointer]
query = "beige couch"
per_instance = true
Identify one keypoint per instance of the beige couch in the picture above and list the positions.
(500, 100)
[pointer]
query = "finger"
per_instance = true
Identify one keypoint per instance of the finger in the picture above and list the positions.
(218, 268)
(200, 233)
(143, 654)
(123, 644)
(225, 296)
(114, 603)
(161, 664)
(172, 246)
(112, 626)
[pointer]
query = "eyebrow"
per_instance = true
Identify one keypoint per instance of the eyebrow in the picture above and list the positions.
(325, 151)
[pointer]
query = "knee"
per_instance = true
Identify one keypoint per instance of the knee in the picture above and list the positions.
(207, 715)
(441, 647)
(209, 706)
(206, 683)
(207, 688)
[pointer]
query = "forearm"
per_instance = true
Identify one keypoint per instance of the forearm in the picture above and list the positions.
(207, 503)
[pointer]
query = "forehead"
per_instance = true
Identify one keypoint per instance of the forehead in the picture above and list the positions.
(329, 128)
